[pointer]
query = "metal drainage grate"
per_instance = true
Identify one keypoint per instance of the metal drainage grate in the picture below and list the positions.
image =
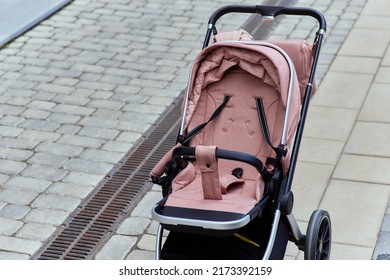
(99, 215)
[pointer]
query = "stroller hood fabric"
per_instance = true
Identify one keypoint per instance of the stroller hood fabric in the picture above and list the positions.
(259, 60)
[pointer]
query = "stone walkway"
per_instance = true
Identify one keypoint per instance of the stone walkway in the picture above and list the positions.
(80, 89)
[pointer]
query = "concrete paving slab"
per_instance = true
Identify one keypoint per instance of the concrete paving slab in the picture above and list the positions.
(309, 186)
(369, 138)
(324, 123)
(377, 8)
(383, 75)
(363, 168)
(18, 16)
(366, 43)
(386, 58)
(373, 21)
(344, 90)
(350, 252)
(353, 204)
(320, 150)
(116, 248)
(355, 64)
(375, 108)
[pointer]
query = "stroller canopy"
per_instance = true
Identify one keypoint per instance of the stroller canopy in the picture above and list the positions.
(258, 59)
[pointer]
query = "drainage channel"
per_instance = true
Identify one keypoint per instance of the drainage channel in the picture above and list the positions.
(94, 221)
(99, 215)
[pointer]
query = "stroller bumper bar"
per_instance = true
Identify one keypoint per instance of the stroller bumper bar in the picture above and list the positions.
(229, 155)
(216, 223)
(200, 224)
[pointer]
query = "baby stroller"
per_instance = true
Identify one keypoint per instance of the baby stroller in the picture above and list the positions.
(227, 182)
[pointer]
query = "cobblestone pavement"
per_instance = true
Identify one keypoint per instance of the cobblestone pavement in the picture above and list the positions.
(81, 88)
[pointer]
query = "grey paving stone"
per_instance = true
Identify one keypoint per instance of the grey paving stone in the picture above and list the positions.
(129, 137)
(140, 255)
(143, 209)
(3, 204)
(13, 256)
(147, 242)
(133, 226)
(35, 231)
(99, 122)
(67, 189)
(105, 104)
(81, 141)
(11, 120)
(101, 133)
(18, 143)
(41, 105)
(36, 135)
(73, 109)
(48, 87)
(14, 211)
(102, 156)
(71, 100)
(66, 81)
(19, 245)
(46, 216)
(60, 149)
(386, 224)
(144, 108)
(9, 131)
(17, 197)
(56, 202)
(88, 166)
(128, 125)
(68, 129)
(147, 118)
(116, 248)
(383, 246)
(11, 166)
(44, 172)
(96, 86)
(9, 226)
(48, 159)
(27, 184)
(83, 178)
(40, 124)
(15, 154)
(64, 118)
(116, 146)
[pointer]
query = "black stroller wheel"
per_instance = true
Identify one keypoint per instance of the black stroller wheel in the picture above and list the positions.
(318, 236)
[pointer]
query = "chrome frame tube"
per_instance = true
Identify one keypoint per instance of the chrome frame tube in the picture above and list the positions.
(159, 236)
(294, 227)
(183, 119)
(272, 237)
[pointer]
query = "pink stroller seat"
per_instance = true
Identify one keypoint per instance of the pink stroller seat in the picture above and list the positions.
(243, 100)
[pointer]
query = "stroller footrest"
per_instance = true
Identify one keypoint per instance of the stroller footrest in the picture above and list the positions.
(199, 219)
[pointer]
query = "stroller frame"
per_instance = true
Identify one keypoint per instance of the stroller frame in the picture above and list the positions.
(316, 242)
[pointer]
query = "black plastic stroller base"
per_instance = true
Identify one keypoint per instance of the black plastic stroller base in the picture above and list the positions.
(249, 245)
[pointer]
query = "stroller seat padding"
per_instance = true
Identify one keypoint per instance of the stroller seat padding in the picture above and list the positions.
(236, 195)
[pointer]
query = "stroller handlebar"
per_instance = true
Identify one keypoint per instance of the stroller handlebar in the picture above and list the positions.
(268, 11)
(229, 155)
